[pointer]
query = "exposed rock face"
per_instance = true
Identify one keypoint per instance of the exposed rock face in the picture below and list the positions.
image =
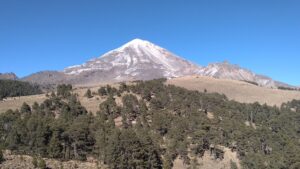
(8, 76)
(143, 60)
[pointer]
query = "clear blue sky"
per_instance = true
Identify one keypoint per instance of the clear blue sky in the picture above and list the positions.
(261, 35)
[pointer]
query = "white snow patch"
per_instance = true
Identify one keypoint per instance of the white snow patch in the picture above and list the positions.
(75, 66)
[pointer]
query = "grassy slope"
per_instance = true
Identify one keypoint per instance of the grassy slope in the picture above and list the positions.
(236, 90)
(91, 104)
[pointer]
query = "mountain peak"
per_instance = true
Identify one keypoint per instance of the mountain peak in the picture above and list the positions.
(137, 43)
(137, 59)
(225, 62)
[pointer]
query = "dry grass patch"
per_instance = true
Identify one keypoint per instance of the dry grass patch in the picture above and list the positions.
(236, 90)
(16, 102)
(91, 104)
(25, 162)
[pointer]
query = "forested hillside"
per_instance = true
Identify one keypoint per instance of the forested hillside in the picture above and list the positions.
(149, 124)
(12, 88)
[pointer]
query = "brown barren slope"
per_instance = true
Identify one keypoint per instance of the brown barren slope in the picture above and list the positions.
(236, 90)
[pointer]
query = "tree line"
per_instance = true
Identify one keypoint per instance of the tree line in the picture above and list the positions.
(13, 88)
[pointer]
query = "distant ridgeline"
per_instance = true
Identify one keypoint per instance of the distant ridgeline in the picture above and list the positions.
(13, 88)
(156, 123)
(289, 88)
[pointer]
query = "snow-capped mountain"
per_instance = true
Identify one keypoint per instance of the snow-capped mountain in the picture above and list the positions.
(137, 59)
(225, 70)
(143, 60)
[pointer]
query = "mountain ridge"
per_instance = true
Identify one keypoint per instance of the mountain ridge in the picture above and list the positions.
(142, 60)
(226, 70)
(8, 76)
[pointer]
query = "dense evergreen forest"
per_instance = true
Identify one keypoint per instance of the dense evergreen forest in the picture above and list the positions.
(159, 123)
(13, 88)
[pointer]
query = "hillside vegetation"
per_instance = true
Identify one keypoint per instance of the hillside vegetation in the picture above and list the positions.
(12, 88)
(235, 90)
(151, 125)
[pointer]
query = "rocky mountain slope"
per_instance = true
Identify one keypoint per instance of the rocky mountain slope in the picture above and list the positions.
(8, 76)
(143, 60)
(225, 70)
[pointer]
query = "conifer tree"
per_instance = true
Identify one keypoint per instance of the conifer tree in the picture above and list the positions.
(1, 156)
(88, 94)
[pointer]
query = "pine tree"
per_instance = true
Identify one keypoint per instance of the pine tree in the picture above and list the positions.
(109, 107)
(35, 162)
(88, 94)
(1, 156)
(25, 108)
(55, 147)
(41, 163)
(167, 162)
(80, 137)
(64, 90)
(102, 91)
